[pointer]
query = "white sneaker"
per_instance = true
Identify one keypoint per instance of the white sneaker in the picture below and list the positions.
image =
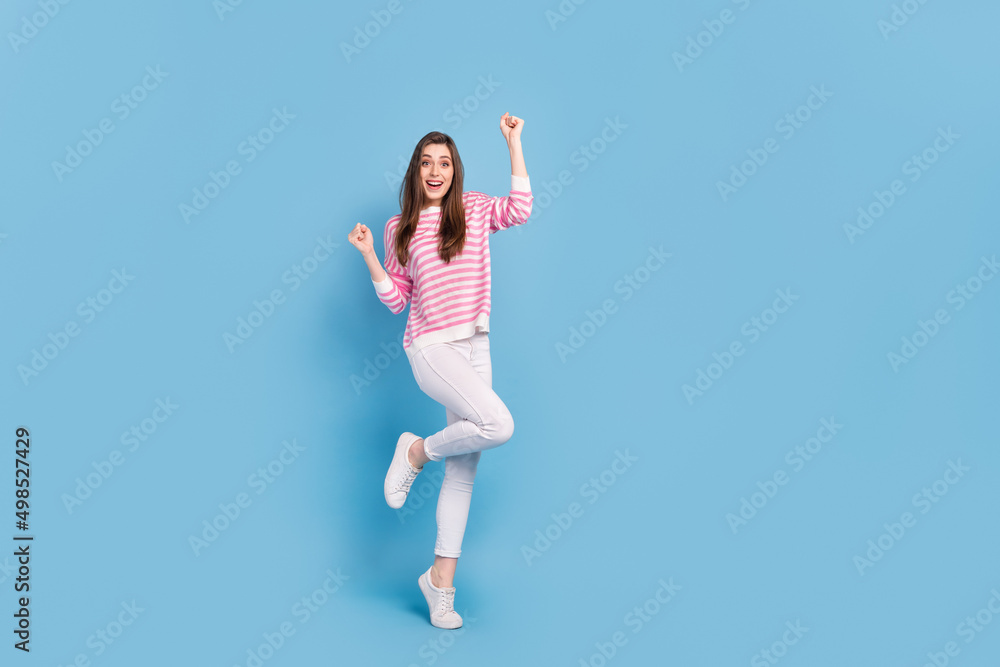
(441, 602)
(401, 474)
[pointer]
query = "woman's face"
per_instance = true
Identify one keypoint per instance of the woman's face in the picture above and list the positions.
(435, 173)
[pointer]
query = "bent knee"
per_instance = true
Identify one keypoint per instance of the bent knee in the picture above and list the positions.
(500, 427)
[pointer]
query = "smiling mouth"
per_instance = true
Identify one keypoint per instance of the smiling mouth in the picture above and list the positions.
(434, 185)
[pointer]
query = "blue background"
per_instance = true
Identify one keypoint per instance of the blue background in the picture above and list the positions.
(620, 389)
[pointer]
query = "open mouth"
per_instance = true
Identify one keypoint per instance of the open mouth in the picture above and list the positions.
(434, 185)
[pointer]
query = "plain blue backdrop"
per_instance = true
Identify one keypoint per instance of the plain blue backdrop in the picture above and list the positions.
(802, 405)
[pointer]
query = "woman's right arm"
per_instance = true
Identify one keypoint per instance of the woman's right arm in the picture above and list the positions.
(392, 286)
(374, 266)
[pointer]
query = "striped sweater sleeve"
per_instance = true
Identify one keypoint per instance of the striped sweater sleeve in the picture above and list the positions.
(514, 209)
(394, 290)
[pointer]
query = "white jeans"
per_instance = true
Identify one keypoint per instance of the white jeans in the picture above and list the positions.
(459, 376)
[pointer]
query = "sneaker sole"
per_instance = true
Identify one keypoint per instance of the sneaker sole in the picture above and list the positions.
(407, 439)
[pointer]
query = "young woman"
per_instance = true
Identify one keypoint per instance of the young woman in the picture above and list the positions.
(437, 259)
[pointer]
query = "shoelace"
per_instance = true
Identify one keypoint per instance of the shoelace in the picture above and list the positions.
(404, 483)
(446, 601)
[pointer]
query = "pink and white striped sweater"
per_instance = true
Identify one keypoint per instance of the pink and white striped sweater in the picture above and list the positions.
(449, 301)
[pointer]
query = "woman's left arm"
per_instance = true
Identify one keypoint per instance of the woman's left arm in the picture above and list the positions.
(514, 209)
(511, 127)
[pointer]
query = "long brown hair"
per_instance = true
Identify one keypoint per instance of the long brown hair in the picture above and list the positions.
(411, 200)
